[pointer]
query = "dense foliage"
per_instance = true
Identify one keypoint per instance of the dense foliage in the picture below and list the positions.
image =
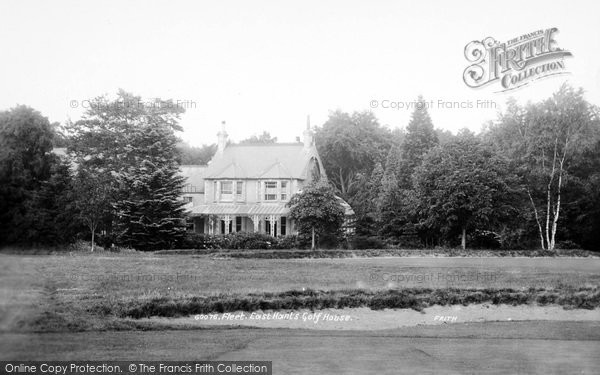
(530, 179)
(34, 183)
(317, 212)
(238, 241)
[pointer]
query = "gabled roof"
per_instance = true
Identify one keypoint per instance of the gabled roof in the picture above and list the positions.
(262, 161)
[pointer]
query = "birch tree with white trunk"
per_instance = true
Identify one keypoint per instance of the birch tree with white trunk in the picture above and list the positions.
(543, 138)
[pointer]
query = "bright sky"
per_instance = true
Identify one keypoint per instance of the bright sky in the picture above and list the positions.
(266, 65)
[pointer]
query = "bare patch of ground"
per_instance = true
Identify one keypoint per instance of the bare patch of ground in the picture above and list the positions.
(367, 319)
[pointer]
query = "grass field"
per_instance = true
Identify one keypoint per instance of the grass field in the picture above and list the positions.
(42, 293)
(46, 300)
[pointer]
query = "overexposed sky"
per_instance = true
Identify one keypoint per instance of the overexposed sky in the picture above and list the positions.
(265, 65)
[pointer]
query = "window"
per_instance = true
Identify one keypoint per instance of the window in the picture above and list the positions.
(188, 199)
(238, 223)
(239, 188)
(271, 190)
(226, 187)
(284, 190)
(283, 225)
(226, 190)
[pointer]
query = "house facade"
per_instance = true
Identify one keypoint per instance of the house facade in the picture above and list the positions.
(245, 188)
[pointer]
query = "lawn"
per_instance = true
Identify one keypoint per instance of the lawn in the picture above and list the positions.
(63, 292)
(46, 300)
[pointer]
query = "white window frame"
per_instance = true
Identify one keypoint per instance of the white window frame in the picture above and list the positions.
(226, 197)
(270, 191)
(284, 193)
(239, 196)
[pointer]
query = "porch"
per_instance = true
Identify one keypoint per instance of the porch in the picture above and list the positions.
(271, 219)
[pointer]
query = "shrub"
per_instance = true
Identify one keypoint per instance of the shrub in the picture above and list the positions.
(567, 245)
(106, 240)
(287, 242)
(193, 241)
(237, 241)
(366, 242)
(243, 240)
(485, 239)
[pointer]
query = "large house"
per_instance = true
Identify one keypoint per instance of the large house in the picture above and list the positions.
(245, 187)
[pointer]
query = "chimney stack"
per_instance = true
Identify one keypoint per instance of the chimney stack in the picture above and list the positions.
(308, 135)
(222, 139)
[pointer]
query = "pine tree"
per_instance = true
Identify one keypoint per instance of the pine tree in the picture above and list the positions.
(389, 205)
(53, 210)
(151, 216)
(419, 139)
(393, 162)
(132, 147)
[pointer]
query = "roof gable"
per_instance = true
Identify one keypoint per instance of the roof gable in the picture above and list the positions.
(264, 161)
(277, 171)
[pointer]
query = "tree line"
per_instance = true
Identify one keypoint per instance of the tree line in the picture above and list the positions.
(120, 184)
(529, 179)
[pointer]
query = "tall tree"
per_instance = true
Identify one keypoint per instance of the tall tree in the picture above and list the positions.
(52, 209)
(389, 204)
(365, 202)
(544, 138)
(25, 164)
(464, 185)
(92, 198)
(419, 139)
(351, 144)
(132, 145)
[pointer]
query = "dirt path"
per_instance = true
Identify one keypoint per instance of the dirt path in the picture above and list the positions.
(367, 319)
